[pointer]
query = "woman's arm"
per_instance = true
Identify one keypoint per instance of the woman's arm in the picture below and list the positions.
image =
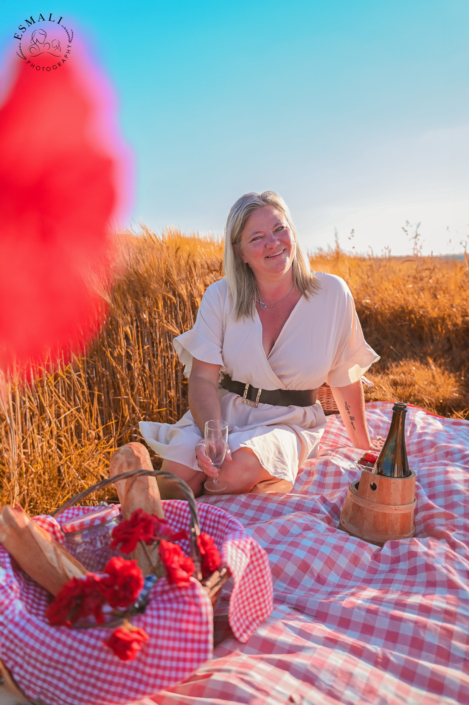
(351, 403)
(204, 405)
(203, 397)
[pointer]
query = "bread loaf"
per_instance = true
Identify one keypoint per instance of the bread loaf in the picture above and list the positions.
(137, 492)
(36, 552)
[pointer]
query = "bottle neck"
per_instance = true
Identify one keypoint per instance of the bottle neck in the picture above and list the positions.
(392, 460)
(401, 456)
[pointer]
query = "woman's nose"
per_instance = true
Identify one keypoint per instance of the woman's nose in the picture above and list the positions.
(272, 238)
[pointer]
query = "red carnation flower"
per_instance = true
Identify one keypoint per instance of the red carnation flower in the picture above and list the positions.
(126, 642)
(62, 181)
(142, 527)
(209, 554)
(64, 609)
(127, 534)
(179, 567)
(93, 599)
(370, 458)
(80, 597)
(122, 584)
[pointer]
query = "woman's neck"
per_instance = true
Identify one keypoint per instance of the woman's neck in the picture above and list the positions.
(274, 289)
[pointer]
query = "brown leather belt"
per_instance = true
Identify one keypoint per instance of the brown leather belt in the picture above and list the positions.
(252, 396)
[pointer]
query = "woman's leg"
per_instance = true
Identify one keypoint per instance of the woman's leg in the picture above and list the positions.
(245, 474)
(241, 475)
(273, 486)
(194, 478)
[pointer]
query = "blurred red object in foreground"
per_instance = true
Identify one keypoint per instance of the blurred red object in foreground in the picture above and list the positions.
(60, 184)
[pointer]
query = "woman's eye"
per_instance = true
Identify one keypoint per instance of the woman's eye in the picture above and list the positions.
(282, 227)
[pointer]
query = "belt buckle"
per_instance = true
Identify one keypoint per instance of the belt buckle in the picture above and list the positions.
(254, 404)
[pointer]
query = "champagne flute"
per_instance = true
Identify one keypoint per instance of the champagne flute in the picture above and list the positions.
(216, 444)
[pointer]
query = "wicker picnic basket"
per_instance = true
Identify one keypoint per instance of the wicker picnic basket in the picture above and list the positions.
(324, 395)
(213, 518)
(213, 583)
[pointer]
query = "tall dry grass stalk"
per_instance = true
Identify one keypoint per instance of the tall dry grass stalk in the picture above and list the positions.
(58, 431)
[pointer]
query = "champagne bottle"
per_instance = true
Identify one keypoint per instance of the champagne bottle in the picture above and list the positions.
(392, 461)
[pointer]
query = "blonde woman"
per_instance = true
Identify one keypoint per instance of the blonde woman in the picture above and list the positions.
(266, 337)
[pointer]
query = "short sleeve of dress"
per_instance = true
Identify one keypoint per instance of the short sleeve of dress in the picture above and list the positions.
(354, 356)
(205, 340)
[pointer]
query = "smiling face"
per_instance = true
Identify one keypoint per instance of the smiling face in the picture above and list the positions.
(267, 243)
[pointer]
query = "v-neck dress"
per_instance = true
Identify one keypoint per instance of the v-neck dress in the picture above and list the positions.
(321, 341)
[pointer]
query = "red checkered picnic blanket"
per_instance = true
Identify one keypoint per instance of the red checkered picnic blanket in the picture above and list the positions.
(352, 622)
(59, 666)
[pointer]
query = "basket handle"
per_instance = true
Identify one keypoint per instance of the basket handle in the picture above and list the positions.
(188, 494)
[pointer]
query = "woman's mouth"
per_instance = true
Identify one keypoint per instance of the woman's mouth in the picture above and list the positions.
(276, 254)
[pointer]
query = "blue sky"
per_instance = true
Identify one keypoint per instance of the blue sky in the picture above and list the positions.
(356, 112)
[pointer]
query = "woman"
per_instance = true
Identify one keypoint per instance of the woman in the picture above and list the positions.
(275, 329)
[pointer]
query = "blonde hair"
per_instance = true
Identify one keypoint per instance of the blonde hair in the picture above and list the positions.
(240, 277)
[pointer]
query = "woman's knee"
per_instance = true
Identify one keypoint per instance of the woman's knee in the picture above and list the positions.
(243, 472)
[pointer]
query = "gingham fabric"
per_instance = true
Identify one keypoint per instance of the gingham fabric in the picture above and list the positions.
(60, 666)
(352, 622)
(91, 518)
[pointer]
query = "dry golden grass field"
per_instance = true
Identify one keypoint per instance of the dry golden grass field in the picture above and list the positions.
(57, 433)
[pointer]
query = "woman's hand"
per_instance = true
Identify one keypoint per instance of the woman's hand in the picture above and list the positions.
(204, 405)
(204, 462)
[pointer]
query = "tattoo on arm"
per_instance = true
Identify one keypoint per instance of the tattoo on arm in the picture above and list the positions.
(352, 418)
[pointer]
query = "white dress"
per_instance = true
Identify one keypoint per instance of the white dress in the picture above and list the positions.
(321, 341)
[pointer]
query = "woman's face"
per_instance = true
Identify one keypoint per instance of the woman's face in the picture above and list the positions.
(267, 243)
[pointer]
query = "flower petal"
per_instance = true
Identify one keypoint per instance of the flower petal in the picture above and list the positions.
(58, 192)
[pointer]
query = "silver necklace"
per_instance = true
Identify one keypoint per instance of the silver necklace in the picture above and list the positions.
(263, 305)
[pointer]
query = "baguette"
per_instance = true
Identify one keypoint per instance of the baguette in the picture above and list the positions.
(137, 492)
(36, 552)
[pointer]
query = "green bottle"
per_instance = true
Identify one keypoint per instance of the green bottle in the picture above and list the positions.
(392, 461)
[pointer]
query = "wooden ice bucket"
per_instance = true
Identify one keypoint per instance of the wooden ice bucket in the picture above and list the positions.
(379, 509)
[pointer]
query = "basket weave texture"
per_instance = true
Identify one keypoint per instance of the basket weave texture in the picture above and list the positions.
(61, 666)
(324, 395)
